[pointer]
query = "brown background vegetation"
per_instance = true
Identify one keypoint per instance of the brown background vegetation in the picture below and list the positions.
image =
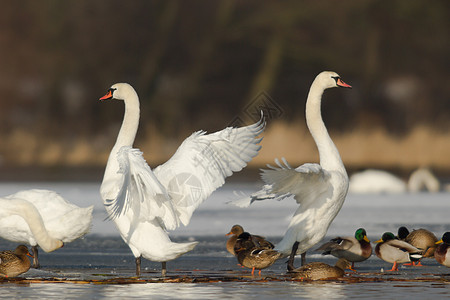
(200, 64)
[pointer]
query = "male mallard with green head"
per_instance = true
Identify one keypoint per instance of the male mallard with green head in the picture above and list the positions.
(13, 263)
(353, 249)
(395, 251)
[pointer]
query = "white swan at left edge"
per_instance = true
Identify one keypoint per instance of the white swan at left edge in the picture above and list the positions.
(61, 220)
(144, 204)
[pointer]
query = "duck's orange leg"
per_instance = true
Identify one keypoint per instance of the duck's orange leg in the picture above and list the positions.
(352, 267)
(253, 271)
(394, 267)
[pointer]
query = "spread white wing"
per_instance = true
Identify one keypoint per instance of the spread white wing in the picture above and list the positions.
(307, 183)
(171, 192)
(202, 163)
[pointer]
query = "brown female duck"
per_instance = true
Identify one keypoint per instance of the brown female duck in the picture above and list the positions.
(237, 230)
(420, 238)
(353, 249)
(253, 257)
(14, 263)
(319, 270)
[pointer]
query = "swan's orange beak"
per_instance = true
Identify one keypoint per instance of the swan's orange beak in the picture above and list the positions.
(108, 95)
(340, 83)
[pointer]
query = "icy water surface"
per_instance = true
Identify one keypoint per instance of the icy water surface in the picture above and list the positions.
(102, 255)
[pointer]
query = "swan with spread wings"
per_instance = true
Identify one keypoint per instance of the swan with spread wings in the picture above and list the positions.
(145, 203)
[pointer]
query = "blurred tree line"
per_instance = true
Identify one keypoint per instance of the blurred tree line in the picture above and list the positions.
(198, 63)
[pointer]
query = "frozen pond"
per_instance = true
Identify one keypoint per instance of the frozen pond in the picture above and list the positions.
(103, 254)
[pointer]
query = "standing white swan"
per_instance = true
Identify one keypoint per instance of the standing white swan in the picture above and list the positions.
(320, 189)
(145, 203)
(61, 220)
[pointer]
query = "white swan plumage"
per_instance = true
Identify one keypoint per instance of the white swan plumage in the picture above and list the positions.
(145, 203)
(61, 220)
(319, 189)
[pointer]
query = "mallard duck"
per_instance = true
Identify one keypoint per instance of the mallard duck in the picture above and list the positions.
(320, 270)
(353, 249)
(420, 238)
(442, 252)
(319, 189)
(395, 251)
(13, 263)
(237, 230)
(253, 257)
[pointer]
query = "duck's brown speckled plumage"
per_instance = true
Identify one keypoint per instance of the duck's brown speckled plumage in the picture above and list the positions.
(320, 271)
(253, 257)
(14, 263)
(422, 239)
(237, 230)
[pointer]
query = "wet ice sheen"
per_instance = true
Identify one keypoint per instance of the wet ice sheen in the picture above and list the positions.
(104, 254)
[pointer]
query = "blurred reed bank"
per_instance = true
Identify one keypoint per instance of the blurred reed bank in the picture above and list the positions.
(208, 64)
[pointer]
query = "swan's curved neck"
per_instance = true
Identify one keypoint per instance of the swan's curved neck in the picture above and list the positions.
(130, 123)
(328, 153)
(33, 218)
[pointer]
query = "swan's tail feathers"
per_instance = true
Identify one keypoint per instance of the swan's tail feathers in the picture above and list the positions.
(178, 249)
(81, 220)
(263, 194)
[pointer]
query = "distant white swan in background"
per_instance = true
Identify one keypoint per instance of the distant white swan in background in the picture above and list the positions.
(377, 181)
(145, 203)
(320, 189)
(60, 220)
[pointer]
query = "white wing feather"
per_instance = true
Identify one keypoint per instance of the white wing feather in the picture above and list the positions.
(138, 186)
(306, 182)
(202, 163)
(171, 192)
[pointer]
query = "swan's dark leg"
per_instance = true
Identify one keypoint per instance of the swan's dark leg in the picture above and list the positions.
(36, 264)
(163, 269)
(303, 255)
(138, 266)
(290, 263)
